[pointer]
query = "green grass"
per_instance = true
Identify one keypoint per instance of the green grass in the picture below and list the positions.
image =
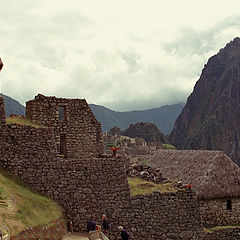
(23, 121)
(168, 146)
(214, 228)
(27, 208)
(139, 186)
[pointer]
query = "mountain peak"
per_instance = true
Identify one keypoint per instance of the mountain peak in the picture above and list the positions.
(211, 118)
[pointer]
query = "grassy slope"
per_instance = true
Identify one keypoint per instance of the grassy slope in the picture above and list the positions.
(139, 186)
(21, 208)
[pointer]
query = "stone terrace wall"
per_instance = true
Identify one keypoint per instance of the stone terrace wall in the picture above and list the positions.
(54, 230)
(78, 125)
(81, 186)
(86, 185)
(172, 216)
(94, 186)
(214, 212)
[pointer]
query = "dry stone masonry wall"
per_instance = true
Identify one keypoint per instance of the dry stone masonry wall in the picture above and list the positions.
(220, 211)
(83, 181)
(77, 132)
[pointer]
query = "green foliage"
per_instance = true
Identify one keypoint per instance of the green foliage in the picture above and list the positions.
(110, 144)
(168, 146)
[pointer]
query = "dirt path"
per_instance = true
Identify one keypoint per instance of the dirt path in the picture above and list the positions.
(76, 236)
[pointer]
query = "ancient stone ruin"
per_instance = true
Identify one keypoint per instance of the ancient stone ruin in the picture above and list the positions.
(63, 159)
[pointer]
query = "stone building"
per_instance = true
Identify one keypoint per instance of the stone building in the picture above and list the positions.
(77, 132)
(213, 174)
(62, 158)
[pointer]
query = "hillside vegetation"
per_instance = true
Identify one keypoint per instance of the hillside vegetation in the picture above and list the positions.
(20, 208)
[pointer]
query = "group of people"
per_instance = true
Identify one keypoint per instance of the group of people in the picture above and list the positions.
(93, 227)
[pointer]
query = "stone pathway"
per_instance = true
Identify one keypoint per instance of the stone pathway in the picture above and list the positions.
(76, 236)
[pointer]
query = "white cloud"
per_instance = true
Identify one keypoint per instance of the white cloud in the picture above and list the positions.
(121, 54)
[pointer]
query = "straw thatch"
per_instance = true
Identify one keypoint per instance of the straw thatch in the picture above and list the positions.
(212, 173)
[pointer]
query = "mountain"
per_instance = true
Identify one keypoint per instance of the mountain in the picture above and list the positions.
(12, 106)
(163, 117)
(211, 116)
(148, 131)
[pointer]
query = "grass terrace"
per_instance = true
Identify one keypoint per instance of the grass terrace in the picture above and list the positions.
(139, 186)
(23, 121)
(214, 228)
(21, 208)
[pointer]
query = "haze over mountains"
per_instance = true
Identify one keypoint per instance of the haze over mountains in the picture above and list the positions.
(211, 116)
(163, 117)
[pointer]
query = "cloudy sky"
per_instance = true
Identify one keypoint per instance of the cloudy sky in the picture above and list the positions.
(123, 54)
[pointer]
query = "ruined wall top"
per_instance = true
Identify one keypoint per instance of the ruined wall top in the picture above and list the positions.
(2, 112)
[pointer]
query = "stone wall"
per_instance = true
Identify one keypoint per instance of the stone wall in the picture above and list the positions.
(89, 183)
(54, 230)
(214, 212)
(164, 216)
(2, 112)
(73, 122)
(93, 186)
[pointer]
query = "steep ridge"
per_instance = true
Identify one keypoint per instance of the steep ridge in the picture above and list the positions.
(211, 116)
(12, 106)
(148, 131)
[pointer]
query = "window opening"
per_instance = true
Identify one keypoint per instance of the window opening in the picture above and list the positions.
(62, 113)
(229, 204)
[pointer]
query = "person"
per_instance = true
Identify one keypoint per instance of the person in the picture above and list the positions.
(70, 226)
(1, 235)
(124, 234)
(105, 224)
(91, 224)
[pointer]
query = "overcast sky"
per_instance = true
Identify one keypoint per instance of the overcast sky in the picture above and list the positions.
(123, 54)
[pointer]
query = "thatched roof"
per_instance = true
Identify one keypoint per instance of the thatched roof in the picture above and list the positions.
(212, 173)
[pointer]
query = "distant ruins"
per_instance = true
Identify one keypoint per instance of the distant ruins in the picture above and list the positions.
(64, 160)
